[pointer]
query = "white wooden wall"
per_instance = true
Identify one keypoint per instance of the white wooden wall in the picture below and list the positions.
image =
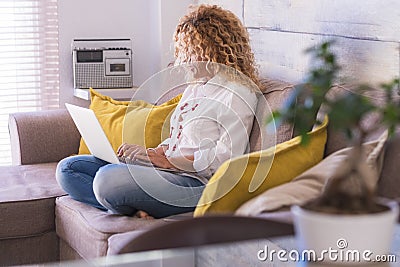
(367, 35)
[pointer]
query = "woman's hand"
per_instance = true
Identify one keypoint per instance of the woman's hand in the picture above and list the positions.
(157, 157)
(160, 149)
(130, 151)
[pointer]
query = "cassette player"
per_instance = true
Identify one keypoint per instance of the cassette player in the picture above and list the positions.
(102, 63)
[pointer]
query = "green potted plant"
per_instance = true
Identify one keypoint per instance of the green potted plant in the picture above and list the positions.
(347, 213)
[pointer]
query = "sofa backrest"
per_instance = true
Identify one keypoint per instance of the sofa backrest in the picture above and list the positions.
(275, 93)
(337, 140)
(389, 178)
(171, 93)
(42, 136)
(388, 184)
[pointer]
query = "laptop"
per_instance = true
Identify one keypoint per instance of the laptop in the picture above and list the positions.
(92, 133)
(97, 142)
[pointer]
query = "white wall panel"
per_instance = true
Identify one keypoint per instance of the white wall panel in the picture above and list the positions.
(367, 19)
(280, 55)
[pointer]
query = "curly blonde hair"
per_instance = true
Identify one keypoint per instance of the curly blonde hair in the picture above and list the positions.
(212, 34)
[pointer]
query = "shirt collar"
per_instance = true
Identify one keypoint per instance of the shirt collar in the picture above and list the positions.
(216, 83)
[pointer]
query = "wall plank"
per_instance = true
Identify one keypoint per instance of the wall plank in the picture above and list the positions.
(280, 55)
(368, 19)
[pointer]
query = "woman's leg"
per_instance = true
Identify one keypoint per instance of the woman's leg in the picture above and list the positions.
(126, 189)
(75, 175)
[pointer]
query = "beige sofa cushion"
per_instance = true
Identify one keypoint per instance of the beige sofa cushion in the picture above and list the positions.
(274, 96)
(118, 241)
(389, 183)
(337, 140)
(310, 184)
(27, 195)
(31, 250)
(86, 229)
(27, 229)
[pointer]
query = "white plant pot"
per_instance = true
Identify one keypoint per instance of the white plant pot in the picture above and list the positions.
(344, 239)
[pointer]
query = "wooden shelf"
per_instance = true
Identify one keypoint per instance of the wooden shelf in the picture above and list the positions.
(116, 93)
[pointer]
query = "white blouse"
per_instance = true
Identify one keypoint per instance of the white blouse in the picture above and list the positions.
(212, 122)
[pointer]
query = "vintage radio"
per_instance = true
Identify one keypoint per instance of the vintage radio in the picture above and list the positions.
(102, 63)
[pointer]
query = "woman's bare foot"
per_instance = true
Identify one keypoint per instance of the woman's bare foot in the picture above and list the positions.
(143, 215)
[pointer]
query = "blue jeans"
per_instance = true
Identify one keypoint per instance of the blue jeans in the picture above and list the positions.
(125, 189)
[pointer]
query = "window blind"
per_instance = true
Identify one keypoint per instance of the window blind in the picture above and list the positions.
(29, 65)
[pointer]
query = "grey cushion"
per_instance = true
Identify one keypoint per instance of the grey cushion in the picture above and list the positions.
(337, 140)
(27, 200)
(29, 250)
(310, 183)
(170, 94)
(86, 229)
(389, 183)
(118, 241)
(274, 96)
(27, 195)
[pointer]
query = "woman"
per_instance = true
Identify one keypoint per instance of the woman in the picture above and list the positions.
(210, 125)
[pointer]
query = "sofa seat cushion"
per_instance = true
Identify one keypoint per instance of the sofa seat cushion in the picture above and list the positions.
(86, 229)
(27, 196)
(118, 241)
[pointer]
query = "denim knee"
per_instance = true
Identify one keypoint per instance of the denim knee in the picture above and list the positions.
(101, 186)
(61, 170)
(105, 182)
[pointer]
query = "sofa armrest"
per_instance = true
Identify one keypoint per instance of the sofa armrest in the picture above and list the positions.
(42, 136)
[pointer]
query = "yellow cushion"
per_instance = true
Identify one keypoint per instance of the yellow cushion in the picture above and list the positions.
(242, 178)
(146, 124)
(134, 122)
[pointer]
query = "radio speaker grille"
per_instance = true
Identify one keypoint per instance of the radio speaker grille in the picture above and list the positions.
(93, 75)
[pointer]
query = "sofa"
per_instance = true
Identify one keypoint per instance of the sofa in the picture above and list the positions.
(40, 223)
